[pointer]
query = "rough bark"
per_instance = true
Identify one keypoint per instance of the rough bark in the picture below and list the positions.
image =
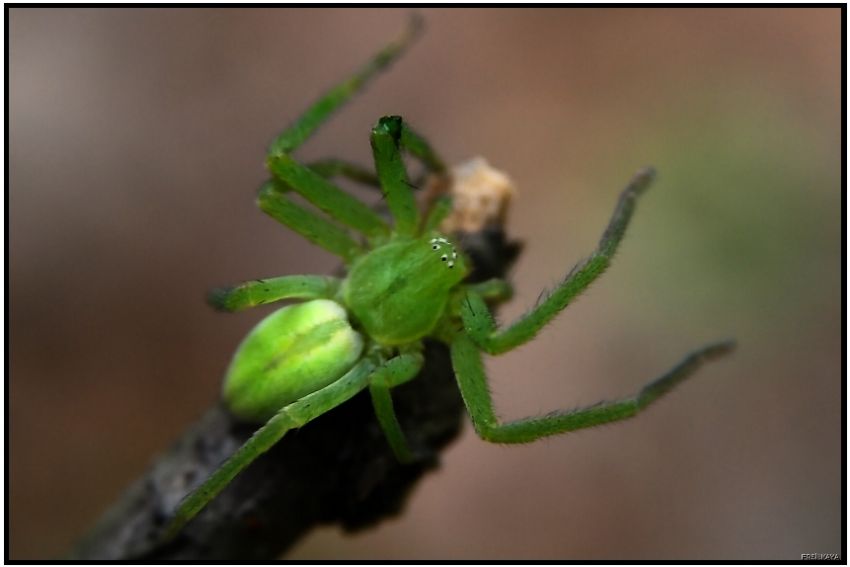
(336, 469)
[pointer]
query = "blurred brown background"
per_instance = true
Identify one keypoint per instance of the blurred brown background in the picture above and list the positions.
(137, 144)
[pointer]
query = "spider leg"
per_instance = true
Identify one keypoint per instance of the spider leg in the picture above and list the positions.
(321, 110)
(478, 321)
(391, 171)
(421, 149)
(262, 291)
(389, 136)
(466, 359)
(273, 201)
(336, 167)
(332, 167)
(338, 204)
(496, 290)
(289, 417)
(387, 139)
(440, 209)
(310, 184)
(396, 371)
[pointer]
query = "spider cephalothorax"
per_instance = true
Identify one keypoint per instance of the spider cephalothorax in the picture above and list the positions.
(405, 282)
(399, 291)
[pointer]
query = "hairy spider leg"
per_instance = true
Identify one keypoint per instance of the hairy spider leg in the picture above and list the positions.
(304, 126)
(385, 139)
(478, 321)
(364, 374)
(262, 291)
(273, 200)
(312, 183)
(496, 290)
(440, 209)
(397, 371)
(466, 359)
(292, 416)
(410, 141)
(333, 167)
(419, 147)
(332, 200)
(388, 138)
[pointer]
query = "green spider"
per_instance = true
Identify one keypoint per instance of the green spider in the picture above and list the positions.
(404, 284)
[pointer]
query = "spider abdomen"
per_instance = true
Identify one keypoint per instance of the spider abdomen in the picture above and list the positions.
(399, 291)
(291, 353)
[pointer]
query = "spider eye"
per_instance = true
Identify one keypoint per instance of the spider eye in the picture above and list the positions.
(444, 258)
(435, 247)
